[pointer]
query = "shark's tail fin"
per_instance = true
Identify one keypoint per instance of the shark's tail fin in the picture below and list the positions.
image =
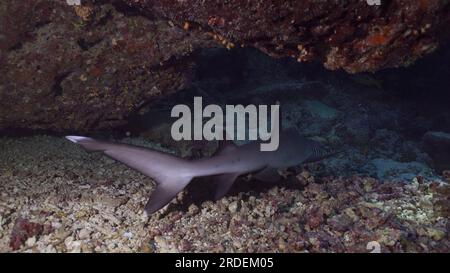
(151, 163)
(88, 143)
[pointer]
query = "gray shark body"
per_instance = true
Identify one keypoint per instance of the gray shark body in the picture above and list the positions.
(172, 174)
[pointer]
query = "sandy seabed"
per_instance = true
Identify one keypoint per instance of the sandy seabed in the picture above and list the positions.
(55, 197)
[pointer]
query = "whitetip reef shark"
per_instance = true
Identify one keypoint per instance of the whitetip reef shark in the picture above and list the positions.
(172, 174)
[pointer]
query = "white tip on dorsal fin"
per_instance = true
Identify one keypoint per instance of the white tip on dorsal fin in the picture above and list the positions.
(77, 139)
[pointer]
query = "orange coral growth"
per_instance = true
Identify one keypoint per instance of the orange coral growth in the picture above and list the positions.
(95, 71)
(423, 4)
(378, 39)
(216, 21)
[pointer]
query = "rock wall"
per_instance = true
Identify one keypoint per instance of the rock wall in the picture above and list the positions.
(83, 68)
(351, 35)
(68, 68)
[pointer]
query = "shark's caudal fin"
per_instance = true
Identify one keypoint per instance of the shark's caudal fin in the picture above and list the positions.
(88, 143)
(163, 168)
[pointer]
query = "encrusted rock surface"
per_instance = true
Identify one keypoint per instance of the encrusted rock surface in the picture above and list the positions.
(341, 34)
(88, 67)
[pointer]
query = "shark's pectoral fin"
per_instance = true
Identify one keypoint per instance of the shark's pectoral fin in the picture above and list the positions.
(223, 184)
(267, 175)
(165, 191)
